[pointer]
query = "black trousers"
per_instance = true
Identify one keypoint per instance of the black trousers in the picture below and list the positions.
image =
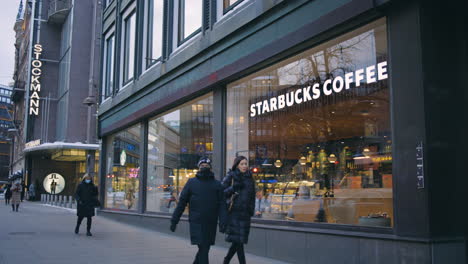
(7, 201)
(88, 222)
(202, 254)
(236, 247)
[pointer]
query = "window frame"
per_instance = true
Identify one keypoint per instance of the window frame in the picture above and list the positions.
(180, 23)
(105, 88)
(148, 60)
(124, 42)
(230, 7)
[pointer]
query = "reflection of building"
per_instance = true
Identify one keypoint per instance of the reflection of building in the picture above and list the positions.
(369, 171)
(54, 74)
(6, 113)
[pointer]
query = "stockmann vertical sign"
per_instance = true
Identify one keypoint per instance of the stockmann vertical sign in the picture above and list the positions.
(35, 87)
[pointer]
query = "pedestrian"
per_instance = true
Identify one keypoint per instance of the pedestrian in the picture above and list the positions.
(15, 196)
(86, 196)
(32, 192)
(204, 195)
(239, 191)
(22, 190)
(7, 194)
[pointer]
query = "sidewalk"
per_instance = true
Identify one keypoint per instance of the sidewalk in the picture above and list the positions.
(44, 234)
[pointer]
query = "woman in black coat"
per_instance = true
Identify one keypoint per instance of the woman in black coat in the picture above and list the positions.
(86, 197)
(204, 195)
(240, 187)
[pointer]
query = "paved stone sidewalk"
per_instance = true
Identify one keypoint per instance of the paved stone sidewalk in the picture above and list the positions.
(42, 234)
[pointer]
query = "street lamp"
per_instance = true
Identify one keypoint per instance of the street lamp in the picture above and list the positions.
(90, 157)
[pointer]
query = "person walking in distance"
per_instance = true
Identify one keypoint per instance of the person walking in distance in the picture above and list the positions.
(86, 197)
(7, 194)
(204, 195)
(15, 196)
(239, 190)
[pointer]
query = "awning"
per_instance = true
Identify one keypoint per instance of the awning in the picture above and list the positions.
(61, 145)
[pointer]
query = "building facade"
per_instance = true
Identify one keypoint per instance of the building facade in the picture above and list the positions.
(344, 110)
(55, 80)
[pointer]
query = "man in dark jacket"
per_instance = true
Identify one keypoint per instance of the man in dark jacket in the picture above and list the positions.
(204, 195)
(86, 198)
(7, 194)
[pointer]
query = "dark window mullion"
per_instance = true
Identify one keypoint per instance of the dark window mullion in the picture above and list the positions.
(149, 42)
(181, 21)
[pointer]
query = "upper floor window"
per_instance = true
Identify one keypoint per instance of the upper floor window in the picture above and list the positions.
(190, 18)
(107, 3)
(230, 4)
(108, 66)
(128, 47)
(154, 20)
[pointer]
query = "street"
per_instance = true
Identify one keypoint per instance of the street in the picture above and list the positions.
(43, 234)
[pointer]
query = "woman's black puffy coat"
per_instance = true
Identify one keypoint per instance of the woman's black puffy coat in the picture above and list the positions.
(204, 195)
(238, 220)
(86, 197)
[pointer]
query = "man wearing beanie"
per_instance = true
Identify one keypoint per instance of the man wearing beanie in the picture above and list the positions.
(204, 195)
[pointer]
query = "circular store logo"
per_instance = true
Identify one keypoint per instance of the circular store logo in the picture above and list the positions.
(123, 158)
(54, 183)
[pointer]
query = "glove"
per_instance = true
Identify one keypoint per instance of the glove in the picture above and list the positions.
(173, 227)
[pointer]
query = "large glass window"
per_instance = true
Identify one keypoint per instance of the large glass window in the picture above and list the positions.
(123, 169)
(190, 18)
(155, 15)
(129, 47)
(176, 141)
(108, 67)
(316, 129)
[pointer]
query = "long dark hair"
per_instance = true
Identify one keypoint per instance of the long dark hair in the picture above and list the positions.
(237, 160)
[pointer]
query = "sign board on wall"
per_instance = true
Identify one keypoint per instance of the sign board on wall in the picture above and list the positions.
(35, 87)
(54, 183)
(33, 143)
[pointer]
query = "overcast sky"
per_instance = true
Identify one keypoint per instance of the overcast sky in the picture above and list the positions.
(8, 12)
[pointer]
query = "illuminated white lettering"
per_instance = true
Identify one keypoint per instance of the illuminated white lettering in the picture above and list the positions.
(252, 110)
(316, 91)
(36, 87)
(36, 71)
(36, 63)
(348, 79)
(35, 95)
(265, 107)
(273, 102)
(290, 99)
(359, 77)
(296, 96)
(326, 90)
(370, 74)
(35, 79)
(382, 70)
(259, 104)
(281, 102)
(306, 94)
(337, 88)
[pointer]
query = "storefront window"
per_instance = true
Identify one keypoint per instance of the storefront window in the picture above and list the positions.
(176, 141)
(316, 129)
(123, 169)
